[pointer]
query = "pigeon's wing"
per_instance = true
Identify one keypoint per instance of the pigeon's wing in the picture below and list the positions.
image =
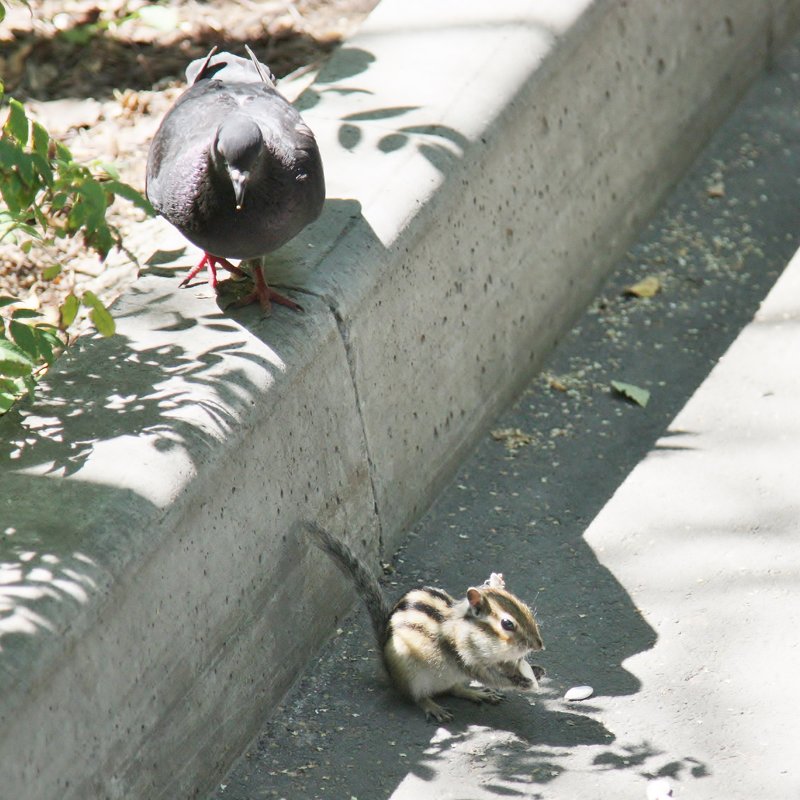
(305, 141)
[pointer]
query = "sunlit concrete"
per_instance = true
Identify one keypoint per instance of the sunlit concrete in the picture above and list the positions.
(704, 536)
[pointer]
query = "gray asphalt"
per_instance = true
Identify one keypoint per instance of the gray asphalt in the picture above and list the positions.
(658, 544)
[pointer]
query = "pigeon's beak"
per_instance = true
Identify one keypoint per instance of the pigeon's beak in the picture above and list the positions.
(239, 181)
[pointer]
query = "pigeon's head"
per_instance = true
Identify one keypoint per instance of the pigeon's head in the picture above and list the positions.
(238, 146)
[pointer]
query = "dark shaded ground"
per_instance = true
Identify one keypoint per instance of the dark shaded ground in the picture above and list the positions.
(716, 248)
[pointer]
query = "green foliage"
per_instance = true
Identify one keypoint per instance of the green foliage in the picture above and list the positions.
(45, 195)
(25, 348)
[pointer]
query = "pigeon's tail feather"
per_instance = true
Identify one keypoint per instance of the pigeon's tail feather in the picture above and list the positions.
(264, 71)
(228, 68)
(204, 67)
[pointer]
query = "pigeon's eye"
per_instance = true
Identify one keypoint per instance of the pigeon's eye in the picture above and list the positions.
(508, 624)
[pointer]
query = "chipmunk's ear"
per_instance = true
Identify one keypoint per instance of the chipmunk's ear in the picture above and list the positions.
(475, 597)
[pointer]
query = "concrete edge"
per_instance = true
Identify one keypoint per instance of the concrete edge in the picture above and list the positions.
(150, 589)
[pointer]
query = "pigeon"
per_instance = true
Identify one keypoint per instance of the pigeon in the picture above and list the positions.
(235, 169)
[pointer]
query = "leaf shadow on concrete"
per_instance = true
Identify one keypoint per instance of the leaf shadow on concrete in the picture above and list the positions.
(63, 518)
(350, 62)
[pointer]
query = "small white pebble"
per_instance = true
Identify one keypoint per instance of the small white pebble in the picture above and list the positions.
(579, 693)
(659, 789)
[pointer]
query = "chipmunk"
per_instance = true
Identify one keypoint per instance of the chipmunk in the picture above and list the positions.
(433, 644)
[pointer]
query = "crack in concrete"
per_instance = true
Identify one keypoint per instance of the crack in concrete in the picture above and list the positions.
(344, 334)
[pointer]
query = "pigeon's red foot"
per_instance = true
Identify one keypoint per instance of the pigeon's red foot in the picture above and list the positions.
(264, 295)
(211, 263)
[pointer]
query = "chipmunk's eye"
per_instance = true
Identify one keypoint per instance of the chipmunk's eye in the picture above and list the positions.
(508, 624)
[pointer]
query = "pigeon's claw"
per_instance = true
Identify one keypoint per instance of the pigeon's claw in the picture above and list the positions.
(264, 295)
(211, 263)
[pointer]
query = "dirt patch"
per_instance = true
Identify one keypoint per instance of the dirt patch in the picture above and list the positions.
(93, 48)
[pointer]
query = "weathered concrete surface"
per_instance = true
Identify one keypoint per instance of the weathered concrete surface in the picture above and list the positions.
(502, 158)
(659, 545)
(483, 173)
(146, 580)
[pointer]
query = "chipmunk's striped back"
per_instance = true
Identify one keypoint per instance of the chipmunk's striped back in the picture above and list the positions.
(416, 621)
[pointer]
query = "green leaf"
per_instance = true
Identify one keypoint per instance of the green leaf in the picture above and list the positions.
(41, 139)
(42, 166)
(45, 347)
(47, 342)
(17, 122)
(28, 230)
(108, 169)
(30, 384)
(630, 392)
(9, 386)
(94, 199)
(16, 192)
(129, 193)
(7, 399)
(81, 34)
(7, 300)
(53, 271)
(78, 216)
(14, 361)
(23, 335)
(63, 153)
(25, 313)
(102, 240)
(59, 200)
(99, 314)
(69, 310)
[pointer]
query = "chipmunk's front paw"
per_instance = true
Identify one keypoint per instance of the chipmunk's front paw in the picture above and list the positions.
(523, 675)
(477, 694)
(433, 711)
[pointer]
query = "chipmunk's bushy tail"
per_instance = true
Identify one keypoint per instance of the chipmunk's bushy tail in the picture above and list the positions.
(366, 583)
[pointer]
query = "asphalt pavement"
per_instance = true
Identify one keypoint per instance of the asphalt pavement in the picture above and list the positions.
(658, 543)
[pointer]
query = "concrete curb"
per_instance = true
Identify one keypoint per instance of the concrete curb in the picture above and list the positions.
(485, 167)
